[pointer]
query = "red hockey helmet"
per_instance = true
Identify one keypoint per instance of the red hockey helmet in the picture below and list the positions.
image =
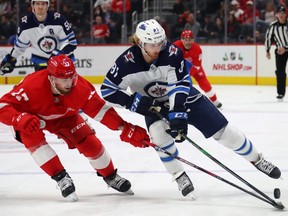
(61, 66)
(187, 34)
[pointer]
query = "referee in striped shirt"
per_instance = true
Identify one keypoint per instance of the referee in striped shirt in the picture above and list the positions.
(277, 33)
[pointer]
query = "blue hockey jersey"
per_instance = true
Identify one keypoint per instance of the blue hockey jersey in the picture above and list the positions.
(166, 79)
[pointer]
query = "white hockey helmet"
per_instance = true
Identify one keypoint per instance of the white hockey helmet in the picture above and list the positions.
(150, 31)
(48, 1)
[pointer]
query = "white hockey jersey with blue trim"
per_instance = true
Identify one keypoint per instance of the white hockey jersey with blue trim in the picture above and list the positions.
(55, 33)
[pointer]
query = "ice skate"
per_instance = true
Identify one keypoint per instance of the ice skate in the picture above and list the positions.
(66, 185)
(280, 97)
(267, 167)
(185, 185)
(119, 183)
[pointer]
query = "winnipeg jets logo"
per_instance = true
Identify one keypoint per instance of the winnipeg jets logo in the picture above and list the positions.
(56, 15)
(159, 91)
(24, 19)
(47, 44)
(172, 50)
(156, 89)
(129, 57)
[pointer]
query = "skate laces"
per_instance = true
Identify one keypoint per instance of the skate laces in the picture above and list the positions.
(116, 182)
(65, 183)
(264, 165)
(183, 181)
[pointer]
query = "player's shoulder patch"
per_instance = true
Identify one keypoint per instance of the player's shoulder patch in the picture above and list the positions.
(56, 15)
(54, 18)
(171, 54)
(24, 19)
(129, 56)
(128, 61)
(173, 50)
(27, 22)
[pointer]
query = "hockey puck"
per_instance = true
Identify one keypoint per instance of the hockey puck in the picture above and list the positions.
(277, 193)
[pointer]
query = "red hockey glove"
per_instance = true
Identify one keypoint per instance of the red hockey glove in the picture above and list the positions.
(27, 123)
(134, 134)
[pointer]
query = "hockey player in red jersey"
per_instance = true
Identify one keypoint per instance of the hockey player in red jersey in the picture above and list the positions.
(50, 100)
(193, 53)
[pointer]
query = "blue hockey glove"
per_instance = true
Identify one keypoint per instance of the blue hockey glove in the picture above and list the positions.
(178, 125)
(142, 104)
(8, 64)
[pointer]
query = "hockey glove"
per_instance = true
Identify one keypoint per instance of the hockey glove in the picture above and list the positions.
(8, 64)
(135, 135)
(142, 104)
(178, 125)
(27, 123)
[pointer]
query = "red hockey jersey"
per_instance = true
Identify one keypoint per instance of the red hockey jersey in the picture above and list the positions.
(193, 55)
(34, 95)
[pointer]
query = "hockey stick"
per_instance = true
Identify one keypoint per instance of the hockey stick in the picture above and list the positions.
(271, 202)
(31, 65)
(217, 161)
(2, 71)
(24, 66)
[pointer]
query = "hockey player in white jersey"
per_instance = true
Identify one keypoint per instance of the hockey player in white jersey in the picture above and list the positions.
(47, 33)
(155, 72)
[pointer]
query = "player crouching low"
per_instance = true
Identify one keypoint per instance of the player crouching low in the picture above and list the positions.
(50, 100)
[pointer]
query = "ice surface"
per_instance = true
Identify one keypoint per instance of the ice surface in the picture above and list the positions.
(25, 190)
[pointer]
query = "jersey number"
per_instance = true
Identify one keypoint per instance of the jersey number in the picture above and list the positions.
(20, 95)
(182, 66)
(114, 70)
(67, 26)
